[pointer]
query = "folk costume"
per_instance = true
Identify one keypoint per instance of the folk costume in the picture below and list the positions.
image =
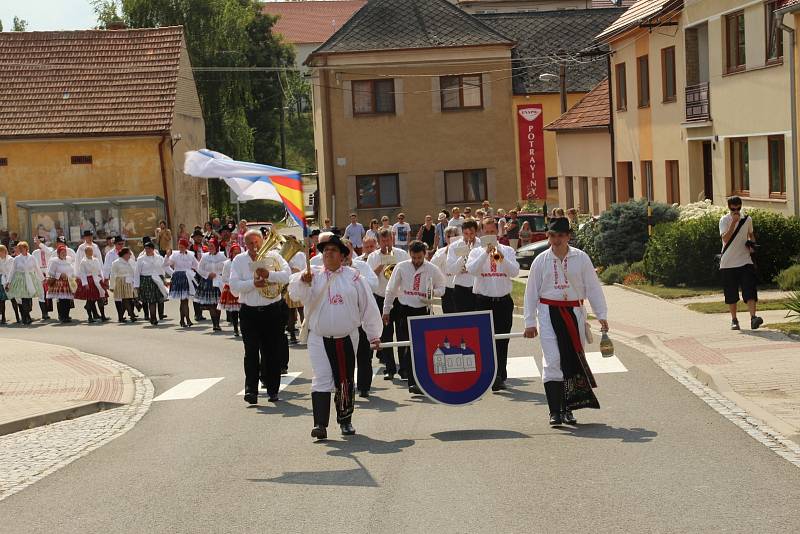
(25, 284)
(167, 272)
(42, 256)
(121, 281)
(5, 268)
(364, 351)
(80, 254)
(227, 300)
(492, 290)
(197, 249)
(148, 280)
(210, 287)
(61, 286)
(336, 303)
(554, 296)
(457, 255)
(263, 323)
(296, 264)
(439, 260)
(110, 257)
(93, 288)
(414, 289)
(181, 288)
(386, 356)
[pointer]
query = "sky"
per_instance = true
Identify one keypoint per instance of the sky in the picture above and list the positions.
(49, 14)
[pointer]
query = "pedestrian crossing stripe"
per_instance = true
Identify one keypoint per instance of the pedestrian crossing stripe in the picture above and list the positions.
(375, 371)
(188, 389)
(526, 367)
(286, 379)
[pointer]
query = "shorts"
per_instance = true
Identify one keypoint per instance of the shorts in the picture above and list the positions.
(743, 277)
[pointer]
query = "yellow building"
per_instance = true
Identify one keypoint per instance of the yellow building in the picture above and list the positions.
(93, 128)
(701, 103)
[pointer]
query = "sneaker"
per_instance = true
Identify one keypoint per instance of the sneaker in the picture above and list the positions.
(735, 324)
(755, 322)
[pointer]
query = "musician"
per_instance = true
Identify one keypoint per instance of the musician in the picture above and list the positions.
(457, 266)
(560, 278)
(263, 320)
(364, 351)
(439, 259)
(375, 262)
(337, 301)
(414, 283)
(493, 266)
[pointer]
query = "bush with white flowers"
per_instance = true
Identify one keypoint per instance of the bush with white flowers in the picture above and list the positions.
(700, 209)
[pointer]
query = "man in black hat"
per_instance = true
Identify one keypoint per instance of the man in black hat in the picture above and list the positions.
(88, 241)
(337, 301)
(561, 278)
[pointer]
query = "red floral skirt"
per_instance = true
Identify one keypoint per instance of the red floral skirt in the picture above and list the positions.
(90, 291)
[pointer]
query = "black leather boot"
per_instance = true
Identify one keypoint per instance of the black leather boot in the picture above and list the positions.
(321, 406)
(555, 395)
(161, 314)
(347, 427)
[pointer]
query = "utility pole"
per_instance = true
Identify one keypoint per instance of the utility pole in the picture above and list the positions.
(562, 75)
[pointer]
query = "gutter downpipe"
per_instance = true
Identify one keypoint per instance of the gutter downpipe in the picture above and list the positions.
(613, 199)
(164, 178)
(779, 14)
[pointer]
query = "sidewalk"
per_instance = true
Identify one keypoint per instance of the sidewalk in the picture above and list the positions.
(42, 384)
(758, 370)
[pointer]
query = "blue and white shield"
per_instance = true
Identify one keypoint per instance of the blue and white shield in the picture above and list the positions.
(454, 357)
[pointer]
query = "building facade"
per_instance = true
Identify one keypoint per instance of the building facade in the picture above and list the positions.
(101, 148)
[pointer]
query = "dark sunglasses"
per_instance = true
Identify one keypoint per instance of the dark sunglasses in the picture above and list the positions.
(735, 209)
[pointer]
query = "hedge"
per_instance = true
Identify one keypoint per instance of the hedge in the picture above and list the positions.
(622, 235)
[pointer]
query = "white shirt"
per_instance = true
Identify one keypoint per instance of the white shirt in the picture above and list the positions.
(42, 257)
(737, 254)
(298, 261)
(212, 263)
(89, 267)
(79, 254)
(402, 233)
(123, 269)
(59, 267)
(5, 269)
(346, 306)
(316, 261)
(148, 266)
(492, 279)
(111, 257)
(242, 280)
(24, 264)
(183, 262)
(355, 233)
(374, 259)
(547, 281)
(226, 272)
(368, 274)
(410, 285)
(457, 222)
(456, 265)
(439, 259)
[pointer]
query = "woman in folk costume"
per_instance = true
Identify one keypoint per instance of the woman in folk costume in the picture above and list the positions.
(167, 271)
(42, 255)
(61, 283)
(5, 268)
(210, 271)
(560, 280)
(227, 300)
(337, 301)
(91, 286)
(149, 281)
(25, 281)
(122, 273)
(183, 263)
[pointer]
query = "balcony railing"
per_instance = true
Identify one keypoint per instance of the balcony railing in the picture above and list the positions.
(698, 103)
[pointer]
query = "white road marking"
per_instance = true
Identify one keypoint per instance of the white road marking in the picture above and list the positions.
(524, 367)
(600, 365)
(285, 381)
(188, 389)
(375, 371)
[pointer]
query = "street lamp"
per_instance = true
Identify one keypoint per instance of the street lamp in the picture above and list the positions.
(560, 77)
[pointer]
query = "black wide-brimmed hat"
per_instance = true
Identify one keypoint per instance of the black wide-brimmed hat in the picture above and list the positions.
(118, 239)
(149, 244)
(559, 225)
(87, 233)
(328, 238)
(197, 233)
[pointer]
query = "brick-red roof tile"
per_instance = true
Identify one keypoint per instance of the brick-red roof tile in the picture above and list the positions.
(88, 82)
(592, 111)
(312, 21)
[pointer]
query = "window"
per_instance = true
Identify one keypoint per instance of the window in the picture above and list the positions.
(81, 160)
(647, 180)
(643, 81)
(734, 41)
(461, 92)
(372, 97)
(378, 191)
(465, 186)
(668, 84)
(774, 33)
(673, 182)
(740, 166)
(777, 166)
(622, 88)
(3, 162)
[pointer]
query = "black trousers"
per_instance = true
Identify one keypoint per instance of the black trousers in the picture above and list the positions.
(449, 300)
(403, 313)
(263, 327)
(386, 356)
(502, 309)
(363, 362)
(464, 299)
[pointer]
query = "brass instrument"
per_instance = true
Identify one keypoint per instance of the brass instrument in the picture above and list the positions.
(496, 255)
(289, 246)
(389, 269)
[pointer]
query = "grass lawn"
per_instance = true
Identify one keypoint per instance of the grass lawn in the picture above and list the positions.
(518, 293)
(721, 307)
(787, 328)
(677, 292)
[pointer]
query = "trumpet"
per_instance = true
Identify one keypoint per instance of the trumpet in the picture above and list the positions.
(496, 255)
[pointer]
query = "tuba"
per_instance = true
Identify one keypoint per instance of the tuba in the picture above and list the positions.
(389, 269)
(289, 246)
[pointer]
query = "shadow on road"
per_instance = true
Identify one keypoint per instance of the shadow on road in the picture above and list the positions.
(477, 435)
(603, 431)
(347, 477)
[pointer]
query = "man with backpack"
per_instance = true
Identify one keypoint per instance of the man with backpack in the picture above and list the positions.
(736, 264)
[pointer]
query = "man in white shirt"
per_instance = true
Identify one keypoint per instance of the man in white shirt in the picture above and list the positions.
(88, 241)
(456, 221)
(401, 231)
(263, 321)
(338, 302)
(414, 283)
(560, 279)
(457, 255)
(736, 264)
(355, 233)
(378, 261)
(494, 265)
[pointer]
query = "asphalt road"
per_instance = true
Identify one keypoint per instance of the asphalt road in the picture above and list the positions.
(654, 459)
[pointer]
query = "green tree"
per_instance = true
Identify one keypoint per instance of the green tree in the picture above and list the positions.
(1, 25)
(19, 25)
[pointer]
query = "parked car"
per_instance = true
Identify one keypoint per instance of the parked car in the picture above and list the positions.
(537, 223)
(526, 254)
